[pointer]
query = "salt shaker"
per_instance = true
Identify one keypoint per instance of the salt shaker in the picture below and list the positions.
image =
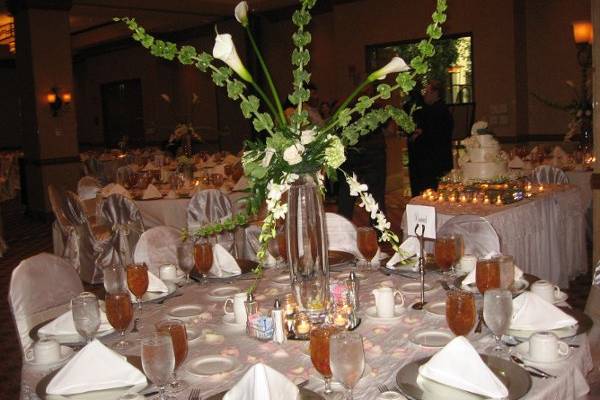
(251, 308)
(277, 315)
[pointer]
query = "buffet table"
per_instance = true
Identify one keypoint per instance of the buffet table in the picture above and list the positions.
(387, 346)
(545, 234)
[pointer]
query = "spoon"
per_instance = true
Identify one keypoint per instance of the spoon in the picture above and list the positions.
(529, 367)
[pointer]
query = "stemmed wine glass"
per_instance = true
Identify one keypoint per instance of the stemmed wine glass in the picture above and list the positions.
(347, 359)
(366, 238)
(203, 257)
(497, 313)
(158, 360)
(448, 251)
(86, 315)
(487, 274)
(119, 312)
(115, 279)
(319, 353)
(185, 258)
(137, 281)
(460, 312)
(176, 329)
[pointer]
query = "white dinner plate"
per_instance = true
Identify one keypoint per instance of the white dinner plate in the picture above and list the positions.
(431, 338)
(562, 333)
(519, 287)
(523, 351)
(229, 320)
(154, 296)
(186, 311)
(436, 308)
(212, 365)
(65, 353)
(399, 310)
(415, 287)
(74, 339)
(223, 292)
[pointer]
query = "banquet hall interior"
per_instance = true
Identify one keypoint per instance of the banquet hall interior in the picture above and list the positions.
(118, 150)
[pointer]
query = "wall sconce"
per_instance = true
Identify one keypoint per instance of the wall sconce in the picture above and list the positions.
(57, 101)
(583, 35)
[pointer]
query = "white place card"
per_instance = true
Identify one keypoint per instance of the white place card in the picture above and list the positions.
(421, 215)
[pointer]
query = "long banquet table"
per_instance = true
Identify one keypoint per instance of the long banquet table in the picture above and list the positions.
(545, 234)
(387, 347)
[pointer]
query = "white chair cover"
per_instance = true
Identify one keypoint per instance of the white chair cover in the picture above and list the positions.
(87, 187)
(64, 233)
(41, 288)
(208, 207)
(341, 234)
(479, 236)
(124, 175)
(94, 247)
(592, 308)
(157, 246)
(548, 174)
(124, 217)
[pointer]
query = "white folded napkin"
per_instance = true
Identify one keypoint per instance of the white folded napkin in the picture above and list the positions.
(150, 167)
(171, 195)
(262, 382)
(155, 284)
(470, 278)
(459, 365)
(241, 184)
(65, 326)
(532, 313)
(516, 163)
(115, 188)
(95, 367)
(151, 192)
(223, 263)
(409, 248)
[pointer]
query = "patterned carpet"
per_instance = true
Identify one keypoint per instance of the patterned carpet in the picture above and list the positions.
(27, 237)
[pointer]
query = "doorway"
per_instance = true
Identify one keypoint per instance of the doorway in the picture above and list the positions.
(122, 112)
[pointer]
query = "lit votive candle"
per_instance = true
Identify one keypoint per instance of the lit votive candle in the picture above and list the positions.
(541, 188)
(441, 198)
(302, 325)
(339, 319)
(498, 201)
(474, 201)
(452, 198)
(528, 187)
(463, 198)
(486, 200)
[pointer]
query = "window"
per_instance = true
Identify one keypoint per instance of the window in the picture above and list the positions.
(451, 64)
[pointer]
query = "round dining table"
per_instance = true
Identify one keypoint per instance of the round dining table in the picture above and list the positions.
(388, 346)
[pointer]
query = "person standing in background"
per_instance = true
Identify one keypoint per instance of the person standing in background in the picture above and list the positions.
(430, 145)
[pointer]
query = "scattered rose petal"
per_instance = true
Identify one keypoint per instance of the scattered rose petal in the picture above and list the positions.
(205, 316)
(281, 353)
(387, 283)
(230, 351)
(297, 370)
(260, 297)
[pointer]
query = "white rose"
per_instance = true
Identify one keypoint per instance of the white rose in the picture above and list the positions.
(241, 13)
(224, 50)
(293, 154)
(396, 64)
(307, 136)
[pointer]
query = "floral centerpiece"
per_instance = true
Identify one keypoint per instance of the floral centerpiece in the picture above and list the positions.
(184, 132)
(295, 149)
(581, 111)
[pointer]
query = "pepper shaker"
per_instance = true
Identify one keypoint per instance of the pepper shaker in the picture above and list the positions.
(277, 315)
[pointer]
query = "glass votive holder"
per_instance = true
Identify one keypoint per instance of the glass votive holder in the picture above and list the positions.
(302, 326)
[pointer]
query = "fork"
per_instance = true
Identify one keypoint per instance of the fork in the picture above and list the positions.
(382, 388)
(194, 394)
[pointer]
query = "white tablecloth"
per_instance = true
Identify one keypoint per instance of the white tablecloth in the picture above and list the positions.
(387, 347)
(545, 235)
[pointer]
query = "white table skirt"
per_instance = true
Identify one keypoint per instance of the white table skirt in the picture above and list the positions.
(545, 235)
(583, 180)
(387, 347)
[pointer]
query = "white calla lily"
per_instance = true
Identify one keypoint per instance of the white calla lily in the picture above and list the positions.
(224, 50)
(395, 65)
(241, 13)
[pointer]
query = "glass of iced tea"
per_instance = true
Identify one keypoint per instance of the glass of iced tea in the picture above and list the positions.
(119, 312)
(487, 274)
(217, 180)
(203, 256)
(366, 238)
(319, 352)
(460, 312)
(448, 250)
(137, 281)
(178, 332)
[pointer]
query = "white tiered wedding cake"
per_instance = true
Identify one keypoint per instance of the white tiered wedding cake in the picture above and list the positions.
(483, 160)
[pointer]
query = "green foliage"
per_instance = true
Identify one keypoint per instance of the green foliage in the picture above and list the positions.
(227, 225)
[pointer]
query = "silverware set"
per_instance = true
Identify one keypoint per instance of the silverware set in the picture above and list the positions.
(384, 388)
(194, 394)
(533, 371)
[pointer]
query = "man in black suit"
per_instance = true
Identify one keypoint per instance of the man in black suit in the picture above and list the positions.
(430, 145)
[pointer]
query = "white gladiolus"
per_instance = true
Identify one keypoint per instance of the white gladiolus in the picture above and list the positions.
(396, 64)
(355, 186)
(293, 154)
(241, 13)
(307, 136)
(269, 152)
(224, 50)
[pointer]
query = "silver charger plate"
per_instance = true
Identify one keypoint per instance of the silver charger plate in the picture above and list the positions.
(107, 394)
(584, 324)
(305, 394)
(519, 287)
(415, 387)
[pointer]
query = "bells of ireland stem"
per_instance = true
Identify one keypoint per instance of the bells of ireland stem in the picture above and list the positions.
(241, 13)
(395, 65)
(224, 50)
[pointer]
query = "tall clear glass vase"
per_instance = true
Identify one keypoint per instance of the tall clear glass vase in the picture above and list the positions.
(306, 236)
